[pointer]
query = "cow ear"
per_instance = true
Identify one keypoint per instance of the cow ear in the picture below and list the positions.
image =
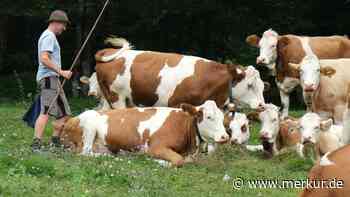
(84, 80)
(294, 69)
(327, 71)
(253, 116)
(192, 110)
(267, 86)
(283, 42)
(326, 124)
(253, 40)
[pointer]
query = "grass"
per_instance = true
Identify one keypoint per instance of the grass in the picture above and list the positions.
(64, 174)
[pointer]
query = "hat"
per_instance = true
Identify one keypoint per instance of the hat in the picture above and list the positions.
(59, 16)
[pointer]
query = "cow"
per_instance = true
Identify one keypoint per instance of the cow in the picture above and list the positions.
(145, 78)
(325, 85)
(276, 51)
(330, 176)
(323, 135)
(237, 125)
(164, 133)
(277, 135)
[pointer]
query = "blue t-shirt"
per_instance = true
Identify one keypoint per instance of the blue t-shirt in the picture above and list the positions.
(48, 42)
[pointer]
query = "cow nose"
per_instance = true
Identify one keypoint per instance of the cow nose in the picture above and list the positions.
(260, 106)
(264, 135)
(307, 140)
(92, 94)
(309, 88)
(260, 60)
(224, 138)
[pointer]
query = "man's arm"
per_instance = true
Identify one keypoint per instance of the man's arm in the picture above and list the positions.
(46, 60)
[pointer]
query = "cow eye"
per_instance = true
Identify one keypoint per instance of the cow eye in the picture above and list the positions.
(317, 127)
(274, 120)
(209, 118)
(250, 85)
(244, 129)
(273, 46)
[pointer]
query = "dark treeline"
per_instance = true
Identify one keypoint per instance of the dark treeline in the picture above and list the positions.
(214, 29)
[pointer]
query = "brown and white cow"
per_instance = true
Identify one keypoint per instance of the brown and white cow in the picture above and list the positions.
(164, 133)
(276, 51)
(325, 85)
(323, 135)
(330, 176)
(145, 78)
(278, 135)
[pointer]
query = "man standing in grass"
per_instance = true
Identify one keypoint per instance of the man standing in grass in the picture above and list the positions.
(49, 71)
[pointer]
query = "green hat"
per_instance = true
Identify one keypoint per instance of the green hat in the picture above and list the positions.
(59, 16)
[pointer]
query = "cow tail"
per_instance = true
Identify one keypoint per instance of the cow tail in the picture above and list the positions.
(115, 42)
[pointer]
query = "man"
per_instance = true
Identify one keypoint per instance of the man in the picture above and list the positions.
(49, 71)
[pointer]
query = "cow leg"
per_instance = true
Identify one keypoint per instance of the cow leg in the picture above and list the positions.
(89, 135)
(285, 104)
(167, 154)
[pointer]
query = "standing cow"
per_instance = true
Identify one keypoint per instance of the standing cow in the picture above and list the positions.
(276, 51)
(144, 78)
(325, 85)
(164, 133)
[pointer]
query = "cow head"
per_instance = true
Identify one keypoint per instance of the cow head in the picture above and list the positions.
(310, 71)
(249, 91)
(311, 125)
(210, 121)
(239, 128)
(94, 87)
(71, 135)
(268, 47)
(269, 116)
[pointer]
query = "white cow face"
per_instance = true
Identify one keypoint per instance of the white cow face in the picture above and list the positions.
(250, 90)
(212, 124)
(268, 49)
(94, 87)
(309, 70)
(310, 127)
(239, 127)
(270, 120)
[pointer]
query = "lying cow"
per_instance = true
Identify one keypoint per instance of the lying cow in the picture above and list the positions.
(322, 134)
(237, 125)
(325, 85)
(144, 78)
(276, 51)
(334, 166)
(164, 133)
(278, 135)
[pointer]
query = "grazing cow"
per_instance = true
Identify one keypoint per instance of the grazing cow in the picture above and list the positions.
(333, 170)
(325, 85)
(277, 51)
(322, 134)
(278, 135)
(164, 133)
(145, 78)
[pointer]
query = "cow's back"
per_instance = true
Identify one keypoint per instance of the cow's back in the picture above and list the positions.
(291, 50)
(333, 89)
(139, 128)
